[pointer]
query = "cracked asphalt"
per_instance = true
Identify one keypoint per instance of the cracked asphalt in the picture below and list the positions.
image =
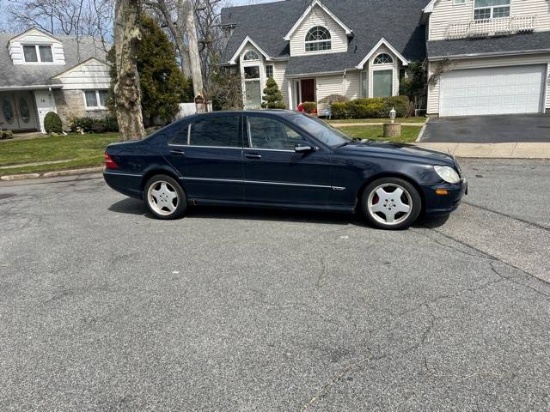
(104, 309)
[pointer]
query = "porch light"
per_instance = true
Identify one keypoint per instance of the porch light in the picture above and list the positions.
(392, 114)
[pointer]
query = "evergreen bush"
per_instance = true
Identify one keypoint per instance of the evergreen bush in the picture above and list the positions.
(53, 123)
(273, 98)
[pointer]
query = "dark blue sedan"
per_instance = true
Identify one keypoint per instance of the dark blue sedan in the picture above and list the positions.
(282, 159)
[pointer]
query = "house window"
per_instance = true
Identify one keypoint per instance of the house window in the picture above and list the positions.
(455, 2)
(317, 39)
(382, 83)
(38, 54)
(364, 83)
(491, 9)
(252, 72)
(251, 55)
(95, 99)
(383, 58)
(269, 71)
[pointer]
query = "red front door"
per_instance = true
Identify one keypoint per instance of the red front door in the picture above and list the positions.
(308, 90)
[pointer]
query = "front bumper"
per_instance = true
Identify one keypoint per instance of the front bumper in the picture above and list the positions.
(438, 204)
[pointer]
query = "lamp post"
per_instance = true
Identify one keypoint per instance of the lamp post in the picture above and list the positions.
(392, 129)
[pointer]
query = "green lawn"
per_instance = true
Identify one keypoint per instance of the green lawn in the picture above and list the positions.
(69, 152)
(408, 133)
(419, 120)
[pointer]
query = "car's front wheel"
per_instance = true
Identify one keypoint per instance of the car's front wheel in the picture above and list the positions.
(391, 203)
(165, 198)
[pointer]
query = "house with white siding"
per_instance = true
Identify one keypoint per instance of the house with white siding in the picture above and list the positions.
(41, 73)
(483, 56)
(488, 56)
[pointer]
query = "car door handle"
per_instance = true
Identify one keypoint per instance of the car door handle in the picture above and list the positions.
(253, 156)
(177, 152)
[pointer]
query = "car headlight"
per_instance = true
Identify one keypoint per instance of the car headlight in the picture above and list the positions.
(447, 173)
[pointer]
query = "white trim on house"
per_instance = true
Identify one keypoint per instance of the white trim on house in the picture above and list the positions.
(381, 42)
(348, 31)
(32, 32)
(78, 67)
(247, 40)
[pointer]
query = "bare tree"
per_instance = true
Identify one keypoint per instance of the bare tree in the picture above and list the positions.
(70, 17)
(179, 19)
(127, 90)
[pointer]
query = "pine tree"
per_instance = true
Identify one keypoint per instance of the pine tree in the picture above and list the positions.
(163, 85)
(273, 98)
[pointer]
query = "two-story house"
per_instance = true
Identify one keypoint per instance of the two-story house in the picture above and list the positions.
(355, 48)
(488, 56)
(40, 73)
(484, 56)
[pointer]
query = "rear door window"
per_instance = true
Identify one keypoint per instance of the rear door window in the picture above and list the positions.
(213, 131)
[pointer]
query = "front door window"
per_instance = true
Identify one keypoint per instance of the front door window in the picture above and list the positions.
(24, 110)
(7, 109)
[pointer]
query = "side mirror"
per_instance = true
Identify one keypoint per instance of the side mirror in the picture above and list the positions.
(304, 149)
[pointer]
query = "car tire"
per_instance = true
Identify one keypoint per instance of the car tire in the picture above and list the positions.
(165, 198)
(391, 203)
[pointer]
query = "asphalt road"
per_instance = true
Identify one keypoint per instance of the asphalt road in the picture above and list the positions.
(105, 309)
(489, 129)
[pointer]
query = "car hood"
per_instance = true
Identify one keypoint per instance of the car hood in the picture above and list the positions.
(397, 150)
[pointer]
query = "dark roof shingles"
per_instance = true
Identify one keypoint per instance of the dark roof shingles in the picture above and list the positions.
(395, 20)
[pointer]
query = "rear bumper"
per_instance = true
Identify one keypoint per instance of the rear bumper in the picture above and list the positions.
(127, 184)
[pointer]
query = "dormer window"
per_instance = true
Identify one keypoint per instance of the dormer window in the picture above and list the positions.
(38, 54)
(317, 39)
(491, 9)
(251, 55)
(383, 58)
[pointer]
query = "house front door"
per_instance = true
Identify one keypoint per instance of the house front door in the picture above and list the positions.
(18, 111)
(44, 104)
(308, 90)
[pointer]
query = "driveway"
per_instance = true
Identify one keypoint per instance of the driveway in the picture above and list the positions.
(489, 129)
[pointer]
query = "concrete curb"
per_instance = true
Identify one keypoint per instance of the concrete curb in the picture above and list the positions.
(52, 174)
(492, 150)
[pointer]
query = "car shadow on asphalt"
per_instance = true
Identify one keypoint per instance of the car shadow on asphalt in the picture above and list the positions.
(136, 207)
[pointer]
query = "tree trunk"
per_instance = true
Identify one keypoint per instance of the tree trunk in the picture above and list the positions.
(187, 13)
(178, 34)
(127, 91)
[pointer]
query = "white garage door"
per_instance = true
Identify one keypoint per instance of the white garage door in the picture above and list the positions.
(500, 90)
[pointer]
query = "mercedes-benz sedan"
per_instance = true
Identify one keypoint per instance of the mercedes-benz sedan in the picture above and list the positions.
(282, 159)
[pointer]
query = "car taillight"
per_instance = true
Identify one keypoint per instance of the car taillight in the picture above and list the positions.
(109, 163)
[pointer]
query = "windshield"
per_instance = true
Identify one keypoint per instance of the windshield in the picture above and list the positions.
(320, 130)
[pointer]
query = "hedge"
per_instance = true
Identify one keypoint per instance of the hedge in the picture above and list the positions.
(377, 107)
(95, 125)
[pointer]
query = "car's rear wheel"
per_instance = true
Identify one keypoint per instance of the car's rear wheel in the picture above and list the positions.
(391, 203)
(165, 198)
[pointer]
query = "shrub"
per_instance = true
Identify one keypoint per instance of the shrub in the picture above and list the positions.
(111, 124)
(6, 134)
(52, 123)
(339, 111)
(273, 98)
(377, 107)
(310, 107)
(95, 125)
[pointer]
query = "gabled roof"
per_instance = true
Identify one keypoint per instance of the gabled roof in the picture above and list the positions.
(28, 76)
(529, 43)
(78, 67)
(382, 42)
(267, 24)
(308, 11)
(33, 31)
(233, 59)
